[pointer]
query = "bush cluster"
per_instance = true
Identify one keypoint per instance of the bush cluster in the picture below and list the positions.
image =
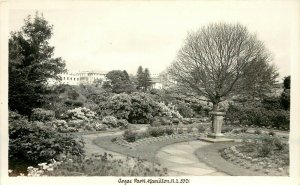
(30, 143)
(130, 135)
(258, 116)
(156, 131)
(40, 114)
(106, 165)
(81, 113)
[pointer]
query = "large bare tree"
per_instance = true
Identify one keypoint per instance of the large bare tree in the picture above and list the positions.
(221, 60)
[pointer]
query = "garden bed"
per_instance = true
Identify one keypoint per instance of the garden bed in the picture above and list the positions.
(268, 156)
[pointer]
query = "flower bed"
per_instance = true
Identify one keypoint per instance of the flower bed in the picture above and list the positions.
(268, 155)
(151, 139)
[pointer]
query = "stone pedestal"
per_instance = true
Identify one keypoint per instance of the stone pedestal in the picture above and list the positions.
(217, 121)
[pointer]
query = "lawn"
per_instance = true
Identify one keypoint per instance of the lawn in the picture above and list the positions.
(146, 152)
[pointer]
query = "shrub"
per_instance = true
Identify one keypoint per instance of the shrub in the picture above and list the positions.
(81, 113)
(201, 128)
(268, 145)
(73, 123)
(244, 130)
(189, 129)
(130, 135)
(169, 110)
(165, 121)
(258, 132)
(281, 118)
(156, 123)
(180, 130)
(169, 130)
(119, 106)
(123, 123)
(175, 121)
(106, 165)
(259, 116)
(144, 109)
(272, 133)
(40, 114)
(185, 110)
(30, 143)
(187, 121)
(73, 103)
(99, 126)
(226, 129)
(156, 131)
(110, 121)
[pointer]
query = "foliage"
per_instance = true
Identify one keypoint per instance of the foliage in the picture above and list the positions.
(81, 113)
(259, 116)
(169, 110)
(185, 110)
(31, 65)
(165, 121)
(268, 145)
(130, 135)
(110, 121)
(143, 79)
(285, 99)
(226, 129)
(118, 82)
(271, 103)
(31, 142)
(210, 67)
(189, 129)
(156, 131)
(123, 123)
(169, 131)
(106, 165)
(73, 103)
(144, 109)
(258, 132)
(180, 130)
(42, 115)
(201, 128)
(187, 121)
(119, 106)
(287, 82)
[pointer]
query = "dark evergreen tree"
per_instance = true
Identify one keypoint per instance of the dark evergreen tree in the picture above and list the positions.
(140, 78)
(147, 79)
(31, 65)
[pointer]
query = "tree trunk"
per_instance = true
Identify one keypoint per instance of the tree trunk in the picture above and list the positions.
(215, 106)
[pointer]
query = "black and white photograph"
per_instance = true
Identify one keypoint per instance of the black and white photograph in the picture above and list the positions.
(150, 92)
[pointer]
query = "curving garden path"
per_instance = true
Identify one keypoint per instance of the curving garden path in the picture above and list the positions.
(180, 160)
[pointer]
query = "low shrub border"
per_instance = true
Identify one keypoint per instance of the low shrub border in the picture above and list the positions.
(122, 142)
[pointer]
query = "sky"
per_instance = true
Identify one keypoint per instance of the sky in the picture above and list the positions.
(108, 35)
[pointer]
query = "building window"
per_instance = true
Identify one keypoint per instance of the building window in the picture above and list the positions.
(67, 78)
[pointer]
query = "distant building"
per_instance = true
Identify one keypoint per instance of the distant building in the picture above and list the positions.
(82, 77)
(156, 81)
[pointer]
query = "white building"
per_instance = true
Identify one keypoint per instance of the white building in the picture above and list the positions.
(156, 81)
(82, 77)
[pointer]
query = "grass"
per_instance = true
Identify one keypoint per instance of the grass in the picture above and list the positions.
(147, 151)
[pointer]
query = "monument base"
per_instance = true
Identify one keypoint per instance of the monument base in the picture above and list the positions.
(215, 135)
(216, 140)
